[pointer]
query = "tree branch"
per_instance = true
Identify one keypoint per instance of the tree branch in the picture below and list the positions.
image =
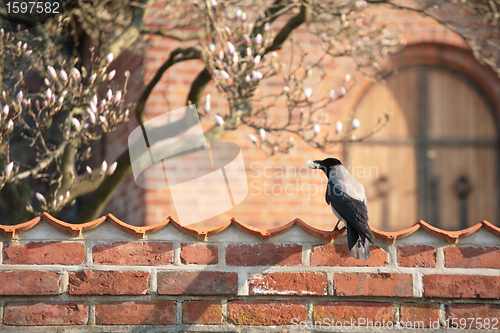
(177, 35)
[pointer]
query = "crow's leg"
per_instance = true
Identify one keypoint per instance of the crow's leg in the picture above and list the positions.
(337, 227)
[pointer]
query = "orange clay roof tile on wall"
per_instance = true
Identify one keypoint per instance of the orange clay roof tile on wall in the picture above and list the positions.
(11, 231)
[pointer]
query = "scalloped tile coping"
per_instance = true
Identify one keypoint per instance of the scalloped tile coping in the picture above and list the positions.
(76, 230)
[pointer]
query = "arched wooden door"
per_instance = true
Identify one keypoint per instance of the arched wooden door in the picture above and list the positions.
(437, 159)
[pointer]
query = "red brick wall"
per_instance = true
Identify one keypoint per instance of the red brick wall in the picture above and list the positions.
(106, 278)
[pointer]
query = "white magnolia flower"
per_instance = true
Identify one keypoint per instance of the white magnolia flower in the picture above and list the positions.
(52, 72)
(8, 168)
(219, 120)
(40, 197)
(316, 128)
(111, 74)
(112, 168)
(253, 138)
(109, 58)
(338, 127)
(355, 123)
(207, 105)
(64, 75)
(258, 39)
(262, 134)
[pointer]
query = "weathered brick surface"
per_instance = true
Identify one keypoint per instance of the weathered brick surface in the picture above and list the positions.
(266, 312)
(338, 255)
(197, 283)
(136, 313)
(29, 283)
(46, 313)
(264, 254)
(44, 253)
(376, 284)
(417, 256)
(134, 253)
(472, 257)
(109, 283)
(288, 284)
(485, 316)
(336, 314)
(201, 312)
(461, 286)
(420, 312)
(199, 253)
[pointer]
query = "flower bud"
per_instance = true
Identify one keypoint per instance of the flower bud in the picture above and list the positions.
(355, 123)
(46, 81)
(256, 60)
(342, 91)
(247, 39)
(76, 123)
(308, 92)
(109, 58)
(118, 96)
(316, 128)
(219, 120)
(40, 197)
(48, 93)
(253, 138)
(262, 134)
(224, 75)
(347, 78)
(207, 105)
(52, 72)
(258, 39)
(112, 168)
(64, 75)
(89, 170)
(331, 96)
(230, 48)
(19, 96)
(256, 75)
(104, 166)
(266, 26)
(109, 94)
(75, 73)
(8, 168)
(338, 127)
(111, 74)
(212, 47)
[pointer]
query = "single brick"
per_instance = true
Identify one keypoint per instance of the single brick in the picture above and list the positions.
(485, 316)
(197, 283)
(266, 312)
(29, 283)
(136, 313)
(134, 253)
(201, 312)
(336, 314)
(288, 284)
(461, 286)
(373, 284)
(417, 256)
(108, 283)
(199, 253)
(420, 313)
(44, 253)
(46, 313)
(472, 257)
(338, 255)
(264, 254)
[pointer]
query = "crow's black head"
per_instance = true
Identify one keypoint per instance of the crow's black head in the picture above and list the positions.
(326, 165)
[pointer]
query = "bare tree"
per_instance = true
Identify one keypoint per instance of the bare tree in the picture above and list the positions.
(239, 42)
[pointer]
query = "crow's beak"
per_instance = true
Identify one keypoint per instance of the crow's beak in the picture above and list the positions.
(312, 164)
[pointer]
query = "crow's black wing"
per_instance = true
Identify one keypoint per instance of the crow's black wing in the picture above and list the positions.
(353, 211)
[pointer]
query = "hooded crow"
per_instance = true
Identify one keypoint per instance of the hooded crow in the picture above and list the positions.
(348, 200)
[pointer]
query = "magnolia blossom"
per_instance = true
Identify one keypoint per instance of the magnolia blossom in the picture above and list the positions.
(28, 53)
(286, 90)
(39, 196)
(109, 94)
(93, 107)
(8, 168)
(290, 139)
(112, 168)
(253, 138)
(25, 46)
(219, 120)
(347, 78)
(213, 3)
(5, 110)
(111, 74)
(109, 58)
(118, 96)
(355, 123)
(102, 119)
(63, 75)
(266, 26)
(249, 52)
(19, 96)
(224, 75)
(46, 81)
(338, 127)
(247, 39)
(316, 128)
(221, 55)
(342, 91)
(104, 166)
(52, 72)
(48, 93)
(230, 48)
(262, 134)
(75, 73)
(75, 123)
(331, 95)
(89, 170)
(91, 116)
(238, 13)
(256, 75)
(256, 60)
(207, 105)
(248, 79)
(212, 47)
(258, 39)
(236, 58)
(308, 92)
(244, 16)
(60, 100)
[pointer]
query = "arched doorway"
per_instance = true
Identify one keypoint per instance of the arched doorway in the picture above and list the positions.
(437, 159)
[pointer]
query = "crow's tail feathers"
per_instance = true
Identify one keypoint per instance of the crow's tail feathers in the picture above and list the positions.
(359, 244)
